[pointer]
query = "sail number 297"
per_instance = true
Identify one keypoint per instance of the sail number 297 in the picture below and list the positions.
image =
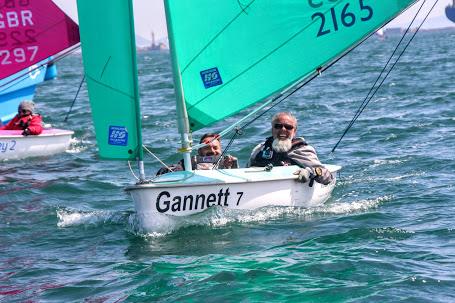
(334, 19)
(18, 55)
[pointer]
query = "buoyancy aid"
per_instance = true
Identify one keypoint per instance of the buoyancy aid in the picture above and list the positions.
(268, 156)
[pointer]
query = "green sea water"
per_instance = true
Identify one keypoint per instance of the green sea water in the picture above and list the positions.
(68, 233)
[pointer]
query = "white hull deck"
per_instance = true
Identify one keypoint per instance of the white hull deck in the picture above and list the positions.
(14, 146)
(184, 193)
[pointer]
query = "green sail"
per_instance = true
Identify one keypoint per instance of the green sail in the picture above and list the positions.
(232, 54)
(109, 56)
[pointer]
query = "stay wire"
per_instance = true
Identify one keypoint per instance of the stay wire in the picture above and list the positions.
(368, 99)
(239, 132)
(385, 66)
(276, 101)
(318, 72)
(74, 100)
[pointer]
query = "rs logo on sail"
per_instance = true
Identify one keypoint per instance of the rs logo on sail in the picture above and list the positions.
(118, 135)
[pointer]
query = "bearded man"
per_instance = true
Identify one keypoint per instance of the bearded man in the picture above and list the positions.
(283, 149)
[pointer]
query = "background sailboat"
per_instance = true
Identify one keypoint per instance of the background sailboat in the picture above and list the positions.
(450, 12)
(225, 59)
(31, 33)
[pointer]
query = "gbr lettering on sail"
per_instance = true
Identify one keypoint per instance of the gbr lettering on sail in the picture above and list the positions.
(17, 33)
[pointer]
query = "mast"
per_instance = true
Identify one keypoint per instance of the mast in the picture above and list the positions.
(140, 154)
(182, 114)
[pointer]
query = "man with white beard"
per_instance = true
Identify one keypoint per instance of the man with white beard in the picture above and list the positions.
(283, 148)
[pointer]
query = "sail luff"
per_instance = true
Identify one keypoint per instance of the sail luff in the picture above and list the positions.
(182, 114)
(137, 103)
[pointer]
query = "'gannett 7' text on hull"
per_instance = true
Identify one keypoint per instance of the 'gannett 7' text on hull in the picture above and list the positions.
(183, 193)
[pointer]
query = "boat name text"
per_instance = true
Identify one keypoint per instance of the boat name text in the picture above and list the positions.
(166, 202)
(6, 146)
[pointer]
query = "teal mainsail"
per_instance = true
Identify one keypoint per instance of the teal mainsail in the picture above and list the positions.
(232, 54)
(109, 55)
(227, 55)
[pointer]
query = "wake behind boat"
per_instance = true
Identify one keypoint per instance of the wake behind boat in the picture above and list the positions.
(225, 58)
(14, 146)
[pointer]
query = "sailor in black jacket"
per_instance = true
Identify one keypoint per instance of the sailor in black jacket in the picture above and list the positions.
(283, 148)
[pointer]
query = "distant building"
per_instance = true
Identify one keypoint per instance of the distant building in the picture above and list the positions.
(394, 31)
(157, 46)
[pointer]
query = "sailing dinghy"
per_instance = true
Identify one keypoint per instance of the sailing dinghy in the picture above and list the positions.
(32, 32)
(14, 146)
(225, 58)
(450, 11)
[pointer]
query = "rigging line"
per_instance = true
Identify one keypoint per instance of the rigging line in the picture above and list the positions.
(319, 70)
(279, 101)
(20, 78)
(298, 86)
(216, 36)
(74, 100)
(261, 59)
(24, 76)
(237, 132)
(132, 172)
(308, 80)
(156, 157)
(382, 72)
(385, 77)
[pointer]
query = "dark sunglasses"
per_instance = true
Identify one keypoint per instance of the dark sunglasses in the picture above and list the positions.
(23, 111)
(280, 126)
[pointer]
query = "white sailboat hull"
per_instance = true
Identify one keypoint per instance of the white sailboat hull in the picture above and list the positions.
(14, 146)
(184, 193)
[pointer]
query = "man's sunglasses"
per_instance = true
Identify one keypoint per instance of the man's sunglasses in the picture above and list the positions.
(23, 111)
(280, 126)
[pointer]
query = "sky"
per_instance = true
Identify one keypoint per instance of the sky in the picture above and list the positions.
(149, 16)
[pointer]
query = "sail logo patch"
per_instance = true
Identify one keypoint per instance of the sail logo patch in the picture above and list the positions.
(211, 77)
(118, 135)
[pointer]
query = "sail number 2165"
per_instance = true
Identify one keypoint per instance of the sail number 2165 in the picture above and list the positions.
(344, 17)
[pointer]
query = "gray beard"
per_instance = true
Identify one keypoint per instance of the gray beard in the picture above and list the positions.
(281, 146)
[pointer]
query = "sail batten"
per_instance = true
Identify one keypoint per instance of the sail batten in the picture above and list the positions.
(235, 58)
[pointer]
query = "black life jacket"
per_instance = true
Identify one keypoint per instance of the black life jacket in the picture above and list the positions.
(268, 156)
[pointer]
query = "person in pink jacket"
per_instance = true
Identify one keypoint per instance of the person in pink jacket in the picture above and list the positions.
(25, 120)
